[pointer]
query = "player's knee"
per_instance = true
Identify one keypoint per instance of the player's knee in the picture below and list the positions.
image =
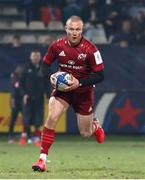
(51, 122)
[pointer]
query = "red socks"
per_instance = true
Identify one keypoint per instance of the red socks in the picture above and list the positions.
(47, 139)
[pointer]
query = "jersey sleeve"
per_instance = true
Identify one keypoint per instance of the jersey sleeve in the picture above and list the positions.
(95, 60)
(50, 55)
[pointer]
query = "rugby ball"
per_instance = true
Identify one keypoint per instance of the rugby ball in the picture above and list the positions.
(60, 80)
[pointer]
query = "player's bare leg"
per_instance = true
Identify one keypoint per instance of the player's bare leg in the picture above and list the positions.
(88, 126)
(85, 125)
(56, 107)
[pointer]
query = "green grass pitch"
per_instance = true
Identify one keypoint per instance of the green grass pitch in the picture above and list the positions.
(77, 158)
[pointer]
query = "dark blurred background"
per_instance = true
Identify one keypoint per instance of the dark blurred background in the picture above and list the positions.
(117, 27)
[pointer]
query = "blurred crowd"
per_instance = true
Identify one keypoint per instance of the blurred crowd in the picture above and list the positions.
(122, 21)
(123, 24)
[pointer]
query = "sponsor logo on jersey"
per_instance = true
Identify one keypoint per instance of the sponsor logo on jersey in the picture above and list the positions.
(62, 53)
(82, 56)
(71, 66)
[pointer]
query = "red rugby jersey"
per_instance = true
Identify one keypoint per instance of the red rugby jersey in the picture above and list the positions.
(79, 60)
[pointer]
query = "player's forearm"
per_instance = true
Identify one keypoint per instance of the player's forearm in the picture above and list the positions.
(94, 78)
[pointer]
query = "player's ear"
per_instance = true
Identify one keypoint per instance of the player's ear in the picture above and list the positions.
(84, 27)
(65, 28)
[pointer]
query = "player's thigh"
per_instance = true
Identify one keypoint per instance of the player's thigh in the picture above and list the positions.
(56, 108)
(85, 123)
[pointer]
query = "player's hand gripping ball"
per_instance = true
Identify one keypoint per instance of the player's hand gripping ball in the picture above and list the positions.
(60, 80)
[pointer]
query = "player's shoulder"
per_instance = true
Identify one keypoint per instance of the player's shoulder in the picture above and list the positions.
(59, 42)
(89, 47)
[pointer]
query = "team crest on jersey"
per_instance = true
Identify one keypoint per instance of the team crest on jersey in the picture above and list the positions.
(82, 56)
